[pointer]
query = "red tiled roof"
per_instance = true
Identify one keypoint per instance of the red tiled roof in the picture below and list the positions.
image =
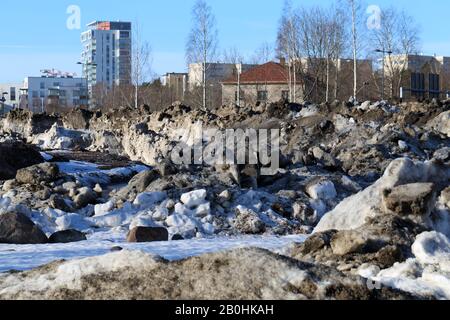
(270, 72)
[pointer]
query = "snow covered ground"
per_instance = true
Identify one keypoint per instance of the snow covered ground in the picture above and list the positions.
(26, 257)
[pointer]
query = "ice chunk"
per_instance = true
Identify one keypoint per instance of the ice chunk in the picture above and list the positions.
(102, 209)
(194, 198)
(431, 248)
(149, 199)
(323, 190)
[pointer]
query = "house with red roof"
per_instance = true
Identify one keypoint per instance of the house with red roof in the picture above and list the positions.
(266, 83)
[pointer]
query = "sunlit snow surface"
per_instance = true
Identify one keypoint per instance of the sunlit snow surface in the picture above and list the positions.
(25, 257)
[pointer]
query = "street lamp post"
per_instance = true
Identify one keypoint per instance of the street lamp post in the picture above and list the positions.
(382, 77)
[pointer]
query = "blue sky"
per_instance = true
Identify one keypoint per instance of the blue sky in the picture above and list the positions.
(33, 34)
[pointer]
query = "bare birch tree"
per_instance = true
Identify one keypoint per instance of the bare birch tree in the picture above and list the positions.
(264, 53)
(141, 60)
(232, 55)
(288, 45)
(202, 42)
(399, 35)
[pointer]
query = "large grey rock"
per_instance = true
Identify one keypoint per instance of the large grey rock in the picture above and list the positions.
(16, 228)
(85, 197)
(411, 199)
(44, 172)
(141, 181)
(14, 156)
(347, 242)
(248, 222)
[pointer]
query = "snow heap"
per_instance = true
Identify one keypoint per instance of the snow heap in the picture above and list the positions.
(192, 215)
(428, 274)
(59, 138)
(70, 274)
(353, 211)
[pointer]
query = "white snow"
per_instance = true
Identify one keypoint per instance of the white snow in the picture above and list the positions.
(103, 208)
(428, 274)
(194, 198)
(26, 257)
(90, 173)
(324, 190)
(352, 212)
(431, 248)
(149, 199)
(46, 156)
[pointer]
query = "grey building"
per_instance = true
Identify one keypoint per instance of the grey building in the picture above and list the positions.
(106, 55)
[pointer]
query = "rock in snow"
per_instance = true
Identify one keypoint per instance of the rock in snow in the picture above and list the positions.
(147, 234)
(355, 210)
(15, 228)
(67, 236)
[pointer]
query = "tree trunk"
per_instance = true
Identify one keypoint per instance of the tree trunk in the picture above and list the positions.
(355, 64)
(327, 93)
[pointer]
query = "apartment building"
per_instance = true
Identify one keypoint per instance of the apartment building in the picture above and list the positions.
(266, 83)
(177, 84)
(215, 72)
(419, 76)
(106, 55)
(10, 94)
(52, 93)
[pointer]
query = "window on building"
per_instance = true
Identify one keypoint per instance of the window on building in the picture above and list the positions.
(434, 87)
(42, 94)
(262, 96)
(62, 93)
(42, 85)
(35, 94)
(56, 84)
(418, 85)
(12, 94)
(284, 95)
(124, 34)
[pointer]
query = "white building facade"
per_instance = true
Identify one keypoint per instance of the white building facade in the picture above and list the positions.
(106, 54)
(10, 94)
(215, 72)
(42, 93)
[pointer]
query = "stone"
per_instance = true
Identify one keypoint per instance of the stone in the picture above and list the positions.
(166, 168)
(304, 213)
(142, 180)
(15, 156)
(403, 146)
(322, 189)
(9, 185)
(348, 242)
(411, 199)
(248, 222)
(316, 242)
(445, 196)
(177, 237)
(148, 234)
(67, 236)
(58, 202)
(442, 154)
(16, 228)
(98, 189)
(85, 197)
(44, 172)
(225, 196)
